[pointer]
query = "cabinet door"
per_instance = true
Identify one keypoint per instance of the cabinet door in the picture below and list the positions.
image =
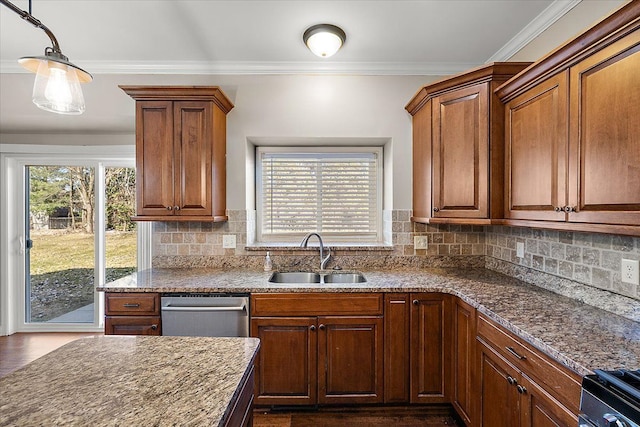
(193, 156)
(132, 325)
(536, 152)
(397, 315)
(430, 348)
(422, 164)
(154, 158)
(286, 367)
(539, 409)
(604, 161)
(464, 344)
(500, 401)
(350, 359)
(460, 153)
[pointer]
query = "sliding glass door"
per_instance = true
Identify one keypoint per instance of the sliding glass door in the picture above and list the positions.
(78, 233)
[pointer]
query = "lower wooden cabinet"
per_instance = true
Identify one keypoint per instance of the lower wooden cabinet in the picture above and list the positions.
(430, 347)
(129, 313)
(520, 386)
(511, 399)
(463, 390)
(324, 359)
(286, 366)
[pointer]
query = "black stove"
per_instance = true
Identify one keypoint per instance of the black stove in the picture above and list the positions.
(610, 399)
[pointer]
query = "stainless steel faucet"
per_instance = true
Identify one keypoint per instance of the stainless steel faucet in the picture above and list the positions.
(323, 260)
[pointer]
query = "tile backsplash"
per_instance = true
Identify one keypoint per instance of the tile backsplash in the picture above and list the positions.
(195, 244)
(587, 258)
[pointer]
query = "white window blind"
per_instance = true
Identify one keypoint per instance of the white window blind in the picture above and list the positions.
(335, 193)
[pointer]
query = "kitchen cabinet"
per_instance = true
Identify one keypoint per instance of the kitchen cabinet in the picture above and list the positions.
(180, 153)
(430, 348)
(520, 386)
(536, 152)
(463, 390)
(318, 348)
(458, 154)
(129, 313)
(510, 399)
(397, 318)
(572, 144)
(417, 357)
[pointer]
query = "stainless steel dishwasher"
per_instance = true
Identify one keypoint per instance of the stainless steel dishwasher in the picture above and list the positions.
(205, 315)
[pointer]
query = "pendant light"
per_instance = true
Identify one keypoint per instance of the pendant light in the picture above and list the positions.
(324, 40)
(57, 84)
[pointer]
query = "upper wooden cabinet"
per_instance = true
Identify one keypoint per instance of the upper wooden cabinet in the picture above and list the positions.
(572, 134)
(458, 153)
(180, 153)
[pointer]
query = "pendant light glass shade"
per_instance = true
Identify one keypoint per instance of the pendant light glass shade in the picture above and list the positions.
(324, 40)
(57, 84)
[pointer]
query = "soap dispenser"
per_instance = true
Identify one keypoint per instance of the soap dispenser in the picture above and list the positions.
(268, 265)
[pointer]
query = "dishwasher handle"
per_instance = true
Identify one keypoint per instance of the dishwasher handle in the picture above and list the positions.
(242, 307)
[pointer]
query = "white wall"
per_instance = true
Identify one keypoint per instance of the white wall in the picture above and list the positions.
(319, 109)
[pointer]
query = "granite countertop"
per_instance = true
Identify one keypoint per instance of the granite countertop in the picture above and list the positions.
(576, 334)
(129, 380)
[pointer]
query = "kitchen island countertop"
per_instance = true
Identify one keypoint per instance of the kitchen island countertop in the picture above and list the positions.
(575, 334)
(130, 380)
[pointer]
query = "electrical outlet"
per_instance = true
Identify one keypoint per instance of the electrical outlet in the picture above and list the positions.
(229, 241)
(520, 249)
(420, 242)
(630, 271)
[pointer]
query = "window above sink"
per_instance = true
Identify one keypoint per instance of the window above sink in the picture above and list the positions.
(336, 191)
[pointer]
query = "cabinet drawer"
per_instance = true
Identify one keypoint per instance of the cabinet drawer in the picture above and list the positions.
(132, 304)
(132, 325)
(305, 304)
(559, 381)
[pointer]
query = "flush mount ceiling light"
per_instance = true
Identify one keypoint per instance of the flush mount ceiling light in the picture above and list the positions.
(324, 40)
(57, 85)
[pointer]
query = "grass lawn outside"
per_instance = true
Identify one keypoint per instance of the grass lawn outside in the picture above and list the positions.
(62, 269)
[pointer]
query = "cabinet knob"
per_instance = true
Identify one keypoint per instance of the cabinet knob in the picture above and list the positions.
(312, 327)
(177, 208)
(512, 380)
(436, 209)
(415, 302)
(322, 327)
(521, 389)
(169, 208)
(154, 327)
(570, 209)
(558, 209)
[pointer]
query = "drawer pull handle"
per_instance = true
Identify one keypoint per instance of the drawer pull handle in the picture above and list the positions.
(521, 389)
(154, 327)
(131, 305)
(515, 353)
(512, 380)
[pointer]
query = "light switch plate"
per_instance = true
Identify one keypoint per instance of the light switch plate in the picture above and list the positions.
(520, 249)
(630, 271)
(229, 241)
(420, 242)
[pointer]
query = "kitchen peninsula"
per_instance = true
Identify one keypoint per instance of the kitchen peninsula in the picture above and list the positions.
(108, 380)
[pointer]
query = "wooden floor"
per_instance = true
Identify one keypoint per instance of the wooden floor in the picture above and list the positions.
(356, 417)
(18, 350)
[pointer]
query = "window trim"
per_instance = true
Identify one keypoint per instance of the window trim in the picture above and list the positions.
(353, 239)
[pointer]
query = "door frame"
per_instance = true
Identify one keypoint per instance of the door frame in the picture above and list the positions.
(13, 159)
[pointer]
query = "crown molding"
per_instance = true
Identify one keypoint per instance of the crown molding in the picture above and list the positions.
(540, 23)
(252, 67)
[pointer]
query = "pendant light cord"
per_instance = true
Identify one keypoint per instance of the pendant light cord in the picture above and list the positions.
(27, 16)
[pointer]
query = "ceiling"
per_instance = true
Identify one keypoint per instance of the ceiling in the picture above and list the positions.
(111, 38)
